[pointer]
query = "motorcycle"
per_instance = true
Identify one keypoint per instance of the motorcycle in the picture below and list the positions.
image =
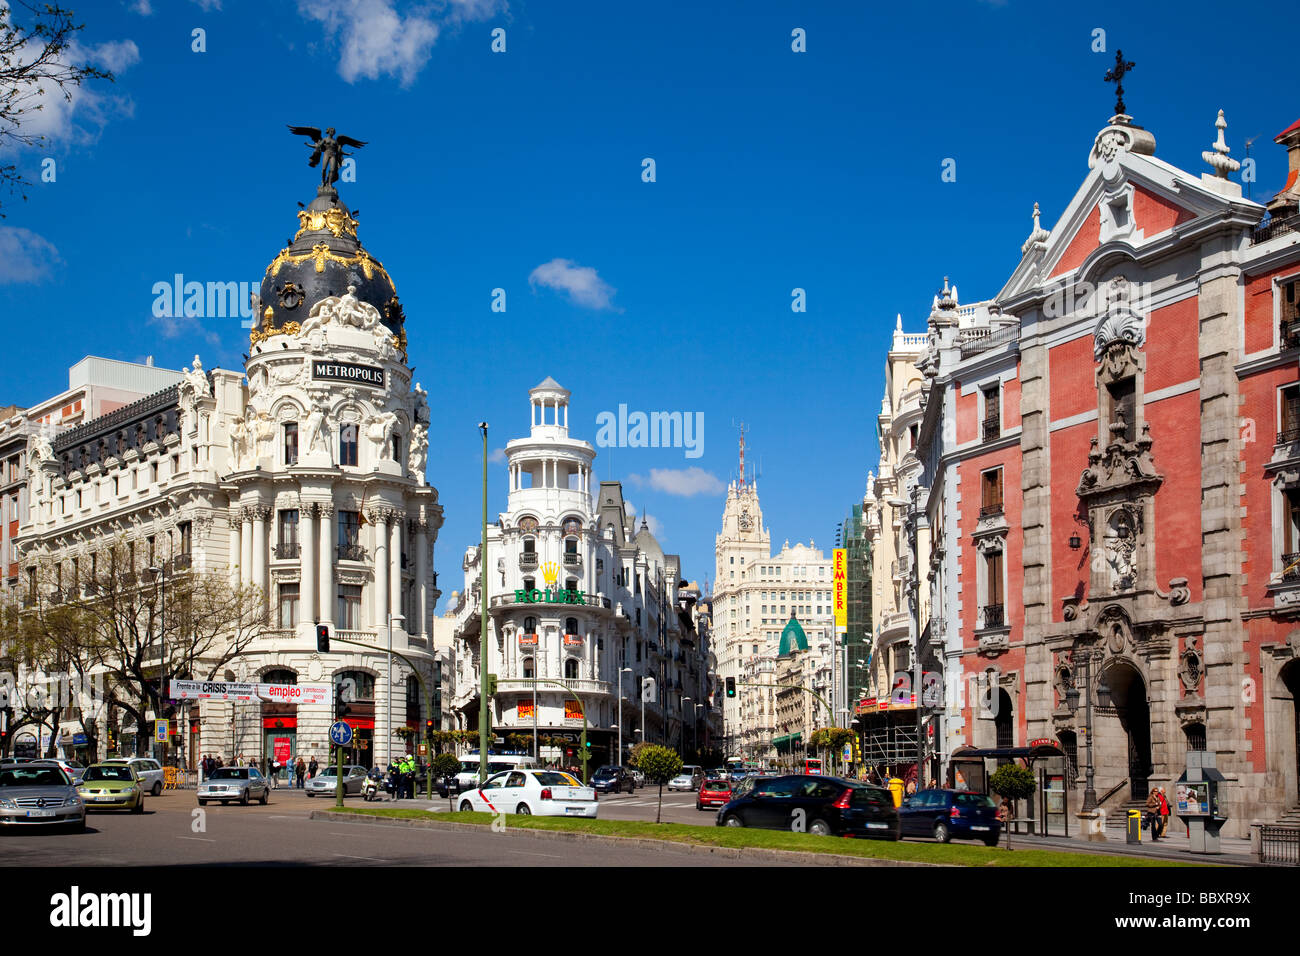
(370, 788)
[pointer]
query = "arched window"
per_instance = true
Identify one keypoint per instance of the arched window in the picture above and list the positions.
(571, 583)
(279, 676)
(1195, 736)
(358, 684)
(571, 668)
(570, 625)
(571, 547)
(348, 445)
(530, 545)
(1005, 721)
(528, 668)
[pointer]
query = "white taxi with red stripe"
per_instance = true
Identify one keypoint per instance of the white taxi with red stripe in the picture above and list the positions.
(545, 793)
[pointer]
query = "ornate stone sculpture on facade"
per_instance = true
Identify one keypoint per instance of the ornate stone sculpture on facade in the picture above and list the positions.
(315, 427)
(196, 380)
(419, 453)
(238, 443)
(379, 429)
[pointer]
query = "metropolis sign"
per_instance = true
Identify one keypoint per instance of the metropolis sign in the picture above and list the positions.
(344, 372)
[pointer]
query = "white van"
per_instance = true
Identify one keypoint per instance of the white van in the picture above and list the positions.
(468, 776)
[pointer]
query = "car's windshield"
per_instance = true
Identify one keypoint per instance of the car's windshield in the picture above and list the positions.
(229, 773)
(32, 777)
(717, 785)
(113, 772)
(555, 778)
(606, 771)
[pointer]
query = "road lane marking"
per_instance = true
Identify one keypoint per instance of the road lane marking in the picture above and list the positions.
(370, 858)
(199, 839)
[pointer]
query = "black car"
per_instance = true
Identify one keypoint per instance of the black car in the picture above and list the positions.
(945, 814)
(812, 804)
(612, 779)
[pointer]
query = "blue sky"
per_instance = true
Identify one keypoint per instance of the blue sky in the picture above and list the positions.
(775, 170)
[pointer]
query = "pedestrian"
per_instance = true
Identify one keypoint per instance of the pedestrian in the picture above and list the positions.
(1153, 813)
(911, 787)
(312, 768)
(932, 785)
(1164, 810)
(301, 770)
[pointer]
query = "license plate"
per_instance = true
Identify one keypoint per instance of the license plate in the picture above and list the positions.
(40, 813)
(877, 826)
(979, 828)
(574, 810)
(108, 799)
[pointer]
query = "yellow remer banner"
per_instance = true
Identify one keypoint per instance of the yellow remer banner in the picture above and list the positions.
(840, 577)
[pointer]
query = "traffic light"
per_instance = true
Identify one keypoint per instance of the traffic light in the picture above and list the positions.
(341, 708)
(731, 687)
(491, 684)
(322, 638)
(429, 727)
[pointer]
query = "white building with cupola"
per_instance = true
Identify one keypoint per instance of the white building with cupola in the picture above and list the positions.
(580, 603)
(300, 477)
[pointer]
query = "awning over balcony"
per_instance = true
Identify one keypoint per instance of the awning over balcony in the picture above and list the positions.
(787, 740)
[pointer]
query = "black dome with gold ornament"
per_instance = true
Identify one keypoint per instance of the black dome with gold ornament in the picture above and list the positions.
(324, 259)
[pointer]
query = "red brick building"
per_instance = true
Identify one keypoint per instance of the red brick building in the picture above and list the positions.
(1110, 456)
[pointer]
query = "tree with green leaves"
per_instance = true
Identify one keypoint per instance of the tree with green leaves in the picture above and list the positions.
(635, 753)
(659, 764)
(1014, 782)
(34, 60)
(445, 765)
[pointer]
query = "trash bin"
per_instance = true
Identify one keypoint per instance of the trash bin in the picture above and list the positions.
(1134, 826)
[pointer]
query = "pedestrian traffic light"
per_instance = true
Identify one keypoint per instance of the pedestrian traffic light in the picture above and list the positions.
(731, 687)
(322, 638)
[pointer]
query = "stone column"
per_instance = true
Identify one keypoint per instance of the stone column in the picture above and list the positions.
(421, 598)
(326, 563)
(260, 541)
(379, 595)
(395, 566)
(308, 573)
(246, 546)
(236, 547)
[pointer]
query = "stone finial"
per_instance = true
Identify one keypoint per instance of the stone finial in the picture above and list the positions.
(1217, 156)
(898, 323)
(1039, 236)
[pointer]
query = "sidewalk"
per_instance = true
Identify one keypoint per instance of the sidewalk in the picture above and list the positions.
(1173, 846)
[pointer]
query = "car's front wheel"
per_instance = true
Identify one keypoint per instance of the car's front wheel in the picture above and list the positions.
(202, 802)
(266, 798)
(243, 799)
(311, 793)
(732, 820)
(990, 841)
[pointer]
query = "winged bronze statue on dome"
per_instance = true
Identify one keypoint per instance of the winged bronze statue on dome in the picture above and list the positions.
(327, 151)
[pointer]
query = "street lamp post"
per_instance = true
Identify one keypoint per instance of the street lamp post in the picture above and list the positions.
(161, 573)
(682, 709)
(1072, 697)
(621, 672)
(484, 710)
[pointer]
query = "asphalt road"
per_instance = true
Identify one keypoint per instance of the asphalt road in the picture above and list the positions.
(173, 831)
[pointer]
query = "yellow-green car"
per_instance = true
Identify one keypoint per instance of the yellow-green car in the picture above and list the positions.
(112, 786)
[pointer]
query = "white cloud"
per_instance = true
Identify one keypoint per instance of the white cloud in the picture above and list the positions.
(498, 456)
(75, 113)
(686, 482)
(583, 285)
(378, 41)
(175, 327)
(142, 7)
(206, 5)
(656, 528)
(25, 256)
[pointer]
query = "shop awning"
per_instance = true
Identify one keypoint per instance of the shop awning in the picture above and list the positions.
(787, 738)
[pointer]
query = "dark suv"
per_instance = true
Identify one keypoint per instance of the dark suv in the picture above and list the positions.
(612, 779)
(945, 814)
(812, 804)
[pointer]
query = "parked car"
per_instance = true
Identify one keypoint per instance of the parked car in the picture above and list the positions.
(40, 794)
(549, 793)
(326, 781)
(690, 778)
(112, 785)
(638, 777)
(612, 779)
(948, 814)
(149, 770)
(813, 804)
(714, 792)
(244, 784)
(70, 767)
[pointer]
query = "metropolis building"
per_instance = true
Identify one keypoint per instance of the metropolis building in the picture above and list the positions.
(301, 476)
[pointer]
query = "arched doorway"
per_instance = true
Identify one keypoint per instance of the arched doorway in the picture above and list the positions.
(1291, 680)
(1005, 721)
(1128, 702)
(279, 725)
(358, 691)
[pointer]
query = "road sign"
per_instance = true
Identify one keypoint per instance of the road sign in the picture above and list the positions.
(341, 733)
(160, 731)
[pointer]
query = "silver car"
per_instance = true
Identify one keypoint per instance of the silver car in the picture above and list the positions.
(39, 794)
(326, 782)
(149, 770)
(244, 784)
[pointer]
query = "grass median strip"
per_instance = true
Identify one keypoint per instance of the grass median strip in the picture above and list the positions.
(936, 853)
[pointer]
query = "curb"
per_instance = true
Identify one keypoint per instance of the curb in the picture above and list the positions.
(756, 854)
